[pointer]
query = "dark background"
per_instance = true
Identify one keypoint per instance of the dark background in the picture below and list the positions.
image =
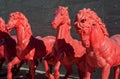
(40, 13)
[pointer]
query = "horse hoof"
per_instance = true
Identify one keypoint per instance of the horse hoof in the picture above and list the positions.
(51, 76)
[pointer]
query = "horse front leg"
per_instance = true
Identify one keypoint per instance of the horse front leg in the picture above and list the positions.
(116, 72)
(17, 67)
(81, 74)
(88, 71)
(56, 70)
(46, 68)
(69, 71)
(33, 67)
(105, 71)
(87, 75)
(15, 61)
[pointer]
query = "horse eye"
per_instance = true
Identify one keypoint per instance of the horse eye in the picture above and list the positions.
(83, 20)
(78, 28)
(93, 24)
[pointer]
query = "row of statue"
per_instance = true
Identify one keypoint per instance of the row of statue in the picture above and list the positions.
(96, 49)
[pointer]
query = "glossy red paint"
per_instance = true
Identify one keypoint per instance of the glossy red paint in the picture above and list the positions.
(28, 47)
(7, 46)
(102, 51)
(67, 50)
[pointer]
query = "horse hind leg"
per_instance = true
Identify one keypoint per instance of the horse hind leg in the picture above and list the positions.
(69, 71)
(56, 70)
(10, 65)
(105, 71)
(48, 72)
(81, 74)
(116, 72)
(33, 65)
(17, 68)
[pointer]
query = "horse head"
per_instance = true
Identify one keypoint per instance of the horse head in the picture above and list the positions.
(2, 24)
(61, 16)
(16, 19)
(89, 26)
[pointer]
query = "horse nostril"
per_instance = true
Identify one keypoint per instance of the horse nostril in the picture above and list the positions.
(53, 24)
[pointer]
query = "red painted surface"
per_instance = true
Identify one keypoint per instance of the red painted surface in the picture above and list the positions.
(67, 50)
(28, 47)
(7, 44)
(102, 51)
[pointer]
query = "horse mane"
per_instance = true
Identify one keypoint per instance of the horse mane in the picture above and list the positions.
(93, 17)
(21, 19)
(2, 24)
(18, 15)
(64, 11)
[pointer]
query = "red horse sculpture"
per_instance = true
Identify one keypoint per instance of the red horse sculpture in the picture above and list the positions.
(116, 38)
(102, 52)
(2, 57)
(28, 47)
(7, 44)
(7, 47)
(68, 51)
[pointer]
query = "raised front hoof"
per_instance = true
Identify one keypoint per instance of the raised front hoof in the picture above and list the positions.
(51, 77)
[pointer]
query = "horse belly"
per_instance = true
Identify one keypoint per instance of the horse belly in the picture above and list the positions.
(116, 61)
(94, 61)
(68, 61)
(30, 55)
(116, 56)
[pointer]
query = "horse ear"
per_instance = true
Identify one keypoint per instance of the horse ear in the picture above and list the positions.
(67, 8)
(59, 6)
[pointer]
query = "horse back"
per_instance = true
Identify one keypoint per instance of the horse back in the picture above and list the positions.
(78, 48)
(49, 42)
(110, 50)
(46, 44)
(116, 38)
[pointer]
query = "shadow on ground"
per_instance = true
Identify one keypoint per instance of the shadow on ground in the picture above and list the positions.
(22, 75)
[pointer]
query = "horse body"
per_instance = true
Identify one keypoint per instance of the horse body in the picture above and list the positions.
(7, 44)
(104, 54)
(102, 51)
(23, 38)
(48, 42)
(116, 38)
(28, 47)
(68, 50)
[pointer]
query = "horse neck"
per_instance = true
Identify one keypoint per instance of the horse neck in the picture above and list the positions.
(23, 33)
(64, 32)
(97, 37)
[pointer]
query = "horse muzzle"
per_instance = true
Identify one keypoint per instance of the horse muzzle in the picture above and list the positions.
(54, 25)
(86, 43)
